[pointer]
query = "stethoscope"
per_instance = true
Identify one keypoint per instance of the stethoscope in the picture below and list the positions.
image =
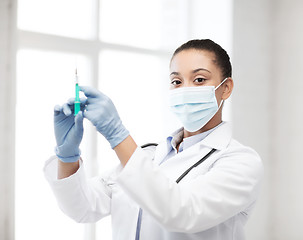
(177, 181)
(190, 168)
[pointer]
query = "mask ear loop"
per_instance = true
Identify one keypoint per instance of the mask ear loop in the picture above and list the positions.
(220, 104)
(221, 83)
(217, 88)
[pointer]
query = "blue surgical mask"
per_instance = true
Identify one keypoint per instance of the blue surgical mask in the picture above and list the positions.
(194, 106)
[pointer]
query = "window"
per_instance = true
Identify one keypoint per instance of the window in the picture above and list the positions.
(123, 48)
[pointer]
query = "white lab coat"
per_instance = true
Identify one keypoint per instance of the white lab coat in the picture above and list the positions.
(213, 202)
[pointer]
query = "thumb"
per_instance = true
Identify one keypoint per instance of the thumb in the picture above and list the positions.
(79, 122)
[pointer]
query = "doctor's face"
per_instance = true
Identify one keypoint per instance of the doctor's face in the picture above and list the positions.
(190, 68)
(194, 68)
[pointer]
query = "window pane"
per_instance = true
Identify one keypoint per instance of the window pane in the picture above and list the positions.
(132, 22)
(147, 24)
(43, 80)
(71, 18)
(137, 85)
(134, 82)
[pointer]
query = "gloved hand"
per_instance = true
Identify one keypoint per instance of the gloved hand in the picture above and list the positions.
(68, 132)
(101, 111)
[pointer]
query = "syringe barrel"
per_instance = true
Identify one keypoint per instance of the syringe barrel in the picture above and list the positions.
(77, 101)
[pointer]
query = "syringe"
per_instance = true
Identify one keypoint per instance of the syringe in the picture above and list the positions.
(77, 99)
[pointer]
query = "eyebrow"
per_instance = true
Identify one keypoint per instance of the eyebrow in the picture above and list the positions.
(200, 69)
(193, 71)
(174, 73)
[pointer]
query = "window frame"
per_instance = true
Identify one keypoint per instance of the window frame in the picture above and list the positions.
(90, 49)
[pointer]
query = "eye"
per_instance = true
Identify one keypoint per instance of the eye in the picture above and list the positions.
(199, 80)
(175, 82)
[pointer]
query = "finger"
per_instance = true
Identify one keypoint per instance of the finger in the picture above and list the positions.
(83, 107)
(57, 110)
(93, 107)
(66, 109)
(90, 92)
(79, 121)
(87, 115)
(92, 101)
(83, 101)
(71, 101)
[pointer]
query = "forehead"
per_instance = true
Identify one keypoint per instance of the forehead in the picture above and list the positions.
(190, 59)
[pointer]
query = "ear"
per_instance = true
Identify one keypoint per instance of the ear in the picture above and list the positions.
(228, 86)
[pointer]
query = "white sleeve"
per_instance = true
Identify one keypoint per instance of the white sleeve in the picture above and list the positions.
(198, 204)
(84, 200)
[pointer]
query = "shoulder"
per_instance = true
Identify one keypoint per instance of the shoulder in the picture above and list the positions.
(237, 148)
(241, 158)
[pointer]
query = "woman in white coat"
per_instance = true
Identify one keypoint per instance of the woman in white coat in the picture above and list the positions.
(199, 183)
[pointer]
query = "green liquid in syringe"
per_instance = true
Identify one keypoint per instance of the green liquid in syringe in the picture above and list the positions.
(77, 100)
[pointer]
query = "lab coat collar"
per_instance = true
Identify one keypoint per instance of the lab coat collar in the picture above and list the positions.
(175, 138)
(219, 138)
(174, 166)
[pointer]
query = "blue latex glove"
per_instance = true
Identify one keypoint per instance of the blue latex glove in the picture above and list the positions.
(68, 132)
(101, 111)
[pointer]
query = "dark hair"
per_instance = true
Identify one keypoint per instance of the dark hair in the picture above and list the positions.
(222, 59)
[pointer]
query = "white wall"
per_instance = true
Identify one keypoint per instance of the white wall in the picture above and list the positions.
(267, 111)
(7, 111)
(252, 116)
(287, 160)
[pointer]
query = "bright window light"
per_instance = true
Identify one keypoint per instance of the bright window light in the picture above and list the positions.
(157, 24)
(43, 80)
(136, 90)
(133, 22)
(70, 18)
